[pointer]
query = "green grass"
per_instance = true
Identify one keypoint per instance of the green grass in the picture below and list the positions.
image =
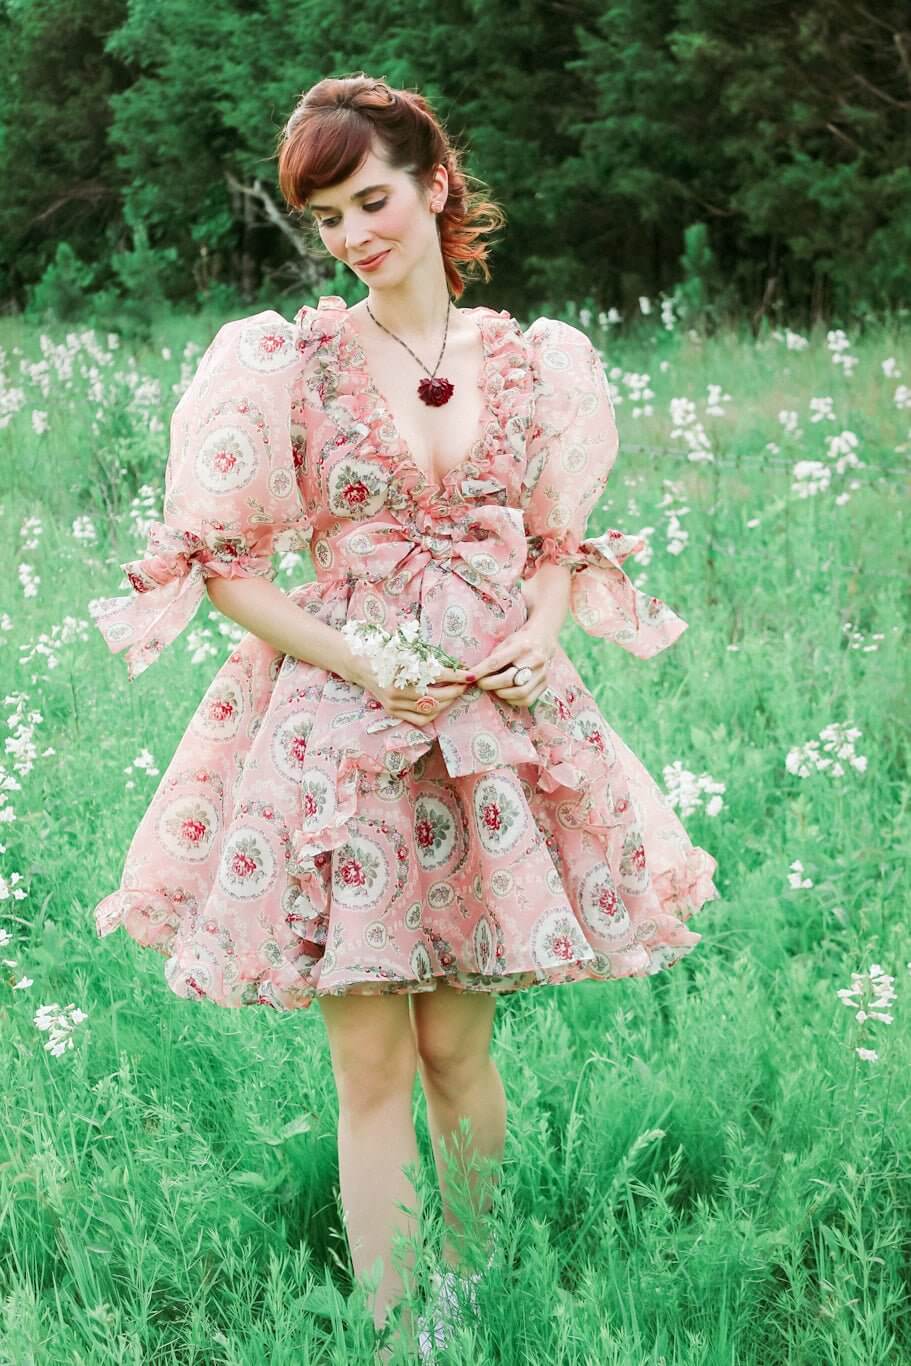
(700, 1167)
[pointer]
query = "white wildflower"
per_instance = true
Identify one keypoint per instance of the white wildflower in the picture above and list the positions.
(59, 1024)
(794, 878)
(399, 658)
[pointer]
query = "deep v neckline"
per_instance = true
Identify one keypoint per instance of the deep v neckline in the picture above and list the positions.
(407, 458)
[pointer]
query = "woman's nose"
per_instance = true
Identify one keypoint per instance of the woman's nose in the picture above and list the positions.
(356, 236)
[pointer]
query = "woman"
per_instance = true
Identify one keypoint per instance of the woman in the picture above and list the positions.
(401, 854)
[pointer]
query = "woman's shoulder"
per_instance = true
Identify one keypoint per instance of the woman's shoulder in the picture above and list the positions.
(545, 331)
(267, 342)
(317, 323)
(263, 341)
(268, 321)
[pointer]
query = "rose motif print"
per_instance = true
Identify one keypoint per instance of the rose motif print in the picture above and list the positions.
(187, 827)
(489, 949)
(266, 347)
(313, 800)
(360, 873)
(601, 905)
(357, 489)
(499, 815)
(247, 867)
(226, 460)
(587, 726)
(221, 710)
(434, 832)
(305, 842)
(289, 744)
(633, 873)
(389, 787)
(558, 941)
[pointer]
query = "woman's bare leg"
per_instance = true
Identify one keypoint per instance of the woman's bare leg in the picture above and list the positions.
(374, 1063)
(453, 1031)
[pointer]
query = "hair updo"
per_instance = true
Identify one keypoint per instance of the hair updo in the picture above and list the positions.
(330, 133)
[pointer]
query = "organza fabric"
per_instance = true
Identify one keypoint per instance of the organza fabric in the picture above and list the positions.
(300, 841)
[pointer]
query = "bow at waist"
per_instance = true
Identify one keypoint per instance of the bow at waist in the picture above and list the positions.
(485, 547)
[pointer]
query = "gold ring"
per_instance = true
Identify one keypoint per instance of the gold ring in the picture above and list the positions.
(425, 705)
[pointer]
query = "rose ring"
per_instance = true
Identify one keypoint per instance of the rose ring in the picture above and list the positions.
(520, 677)
(425, 705)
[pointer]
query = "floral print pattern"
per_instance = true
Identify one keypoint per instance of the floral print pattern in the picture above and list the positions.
(296, 845)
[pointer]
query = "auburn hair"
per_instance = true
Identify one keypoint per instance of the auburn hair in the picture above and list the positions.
(330, 133)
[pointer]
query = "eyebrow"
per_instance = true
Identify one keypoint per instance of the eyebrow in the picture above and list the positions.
(359, 195)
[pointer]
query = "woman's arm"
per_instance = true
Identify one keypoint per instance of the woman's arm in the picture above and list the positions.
(532, 647)
(547, 595)
(259, 606)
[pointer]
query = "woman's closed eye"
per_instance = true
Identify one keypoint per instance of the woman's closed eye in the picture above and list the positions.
(371, 208)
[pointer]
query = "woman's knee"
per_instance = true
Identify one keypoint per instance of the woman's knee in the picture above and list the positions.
(453, 1031)
(372, 1047)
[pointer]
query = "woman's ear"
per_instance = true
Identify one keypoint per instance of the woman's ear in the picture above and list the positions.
(440, 188)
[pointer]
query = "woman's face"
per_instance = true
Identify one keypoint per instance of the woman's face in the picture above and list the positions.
(378, 209)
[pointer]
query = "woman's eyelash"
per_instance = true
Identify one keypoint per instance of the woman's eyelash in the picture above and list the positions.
(371, 208)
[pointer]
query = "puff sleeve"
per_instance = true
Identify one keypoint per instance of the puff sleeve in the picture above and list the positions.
(571, 448)
(230, 487)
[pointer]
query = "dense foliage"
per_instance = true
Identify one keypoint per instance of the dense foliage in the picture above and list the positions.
(615, 135)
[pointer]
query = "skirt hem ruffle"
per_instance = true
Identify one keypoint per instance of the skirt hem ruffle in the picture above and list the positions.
(683, 890)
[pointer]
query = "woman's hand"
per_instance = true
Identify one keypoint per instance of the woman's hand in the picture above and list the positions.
(400, 702)
(529, 648)
(533, 646)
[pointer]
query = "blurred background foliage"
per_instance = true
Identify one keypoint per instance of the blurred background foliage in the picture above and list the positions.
(754, 157)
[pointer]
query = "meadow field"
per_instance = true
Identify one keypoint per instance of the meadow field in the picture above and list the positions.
(706, 1167)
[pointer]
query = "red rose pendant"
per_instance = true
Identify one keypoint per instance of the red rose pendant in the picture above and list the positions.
(436, 392)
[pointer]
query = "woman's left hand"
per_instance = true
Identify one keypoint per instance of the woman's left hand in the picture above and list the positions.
(526, 649)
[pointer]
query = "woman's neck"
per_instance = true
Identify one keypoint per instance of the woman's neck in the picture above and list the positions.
(416, 314)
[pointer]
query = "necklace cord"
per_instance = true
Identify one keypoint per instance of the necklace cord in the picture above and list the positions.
(431, 373)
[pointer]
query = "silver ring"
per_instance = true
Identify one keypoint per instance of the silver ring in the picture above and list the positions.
(520, 677)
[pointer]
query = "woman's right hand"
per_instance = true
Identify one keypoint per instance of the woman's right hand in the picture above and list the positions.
(399, 702)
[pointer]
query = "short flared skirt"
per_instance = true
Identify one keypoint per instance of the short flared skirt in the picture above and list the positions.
(533, 874)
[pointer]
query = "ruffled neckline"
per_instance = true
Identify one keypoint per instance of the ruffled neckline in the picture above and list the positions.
(505, 381)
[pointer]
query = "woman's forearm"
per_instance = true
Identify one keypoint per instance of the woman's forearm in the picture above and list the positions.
(547, 595)
(259, 606)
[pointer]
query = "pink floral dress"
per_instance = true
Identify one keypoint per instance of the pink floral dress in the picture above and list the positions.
(301, 842)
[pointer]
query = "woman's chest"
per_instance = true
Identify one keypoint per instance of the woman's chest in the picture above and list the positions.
(364, 442)
(439, 438)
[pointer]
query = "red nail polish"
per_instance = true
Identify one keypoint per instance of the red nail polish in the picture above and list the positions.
(470, 678)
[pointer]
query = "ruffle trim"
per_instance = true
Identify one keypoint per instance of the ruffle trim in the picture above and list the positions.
(603, 599)
(601, 805)
(506, 383)
(568, 768)
(150, 919)
(168, 585)
(605, 808)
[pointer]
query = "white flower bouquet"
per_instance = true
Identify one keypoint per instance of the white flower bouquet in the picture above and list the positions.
(399, 657)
